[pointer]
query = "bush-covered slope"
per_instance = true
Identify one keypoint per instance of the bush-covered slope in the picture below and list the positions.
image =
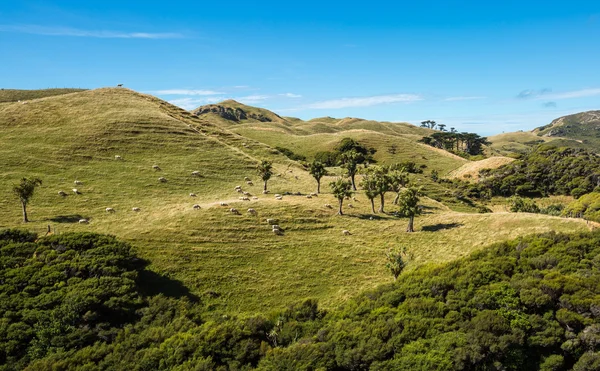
(527, 304)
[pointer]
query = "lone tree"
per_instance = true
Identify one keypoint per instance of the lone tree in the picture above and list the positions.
(341, 189)
(396, 260)
(318, 171)
(350, 161)
(409, 206)
(369, 185)
(265, 171)
(24, 191)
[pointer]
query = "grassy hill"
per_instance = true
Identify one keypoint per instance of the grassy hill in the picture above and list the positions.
(15, 95)
(233, 262)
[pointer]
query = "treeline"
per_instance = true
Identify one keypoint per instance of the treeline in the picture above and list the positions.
(76, 302)
(459, 143)
(544, 171)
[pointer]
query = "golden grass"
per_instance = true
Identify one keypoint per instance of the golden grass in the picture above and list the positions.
(470, 170)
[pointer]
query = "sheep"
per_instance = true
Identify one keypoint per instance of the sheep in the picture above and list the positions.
(234, 211)
(308, 196)
(84, 221)
(110, 210)
(346, 232)
(224, 204)
(156, 167)
(119, 85)
(162, 179)
(265, 192)
(314, 195)
(196, 207)
(271, 221)
(328, 206)
(246, 193)
(277, 232)
(238, 187)
(136, 209)
(76, 191)
(250, 183)
(77, 182)
(246, 179)
(239, 190)
(252, 212)
(192, 195)
(279, 198)
(275, 226)
(244, 198)
(61, 193)
(195, 173)
(277, 195)
(117, 157)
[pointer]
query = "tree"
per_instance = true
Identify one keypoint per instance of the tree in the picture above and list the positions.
(397, 179)
(350, 161)
(369, 186)
(24, 191)
(382, 183)
(265, 171)
(318, 171)
(396, 260)
(341, 189)
(409, 205)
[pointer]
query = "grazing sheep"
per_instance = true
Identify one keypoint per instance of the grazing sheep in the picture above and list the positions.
(308, 196)
(77, 182)
(61, 193)
(117, 157)
(156, 167)
(234, 211)
(346, 232)
(277, 195)
(110, 210)
(279, 198)
(252, 212)
(195, 173)
(265, 192)
(196, 207)
(119, 85)
(76, 191)
(84, 221)
(192, 195)
(275, 226)
(246, 179)
(245, 198)
(271, 221)
(224, 204)
(250, 183)
(162, 180)
(328, 206)
(136, 209)
(238, 187)
(246, 193)
(277, 232)
(239, 190)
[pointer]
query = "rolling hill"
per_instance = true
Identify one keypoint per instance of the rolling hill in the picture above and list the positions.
(233, 262)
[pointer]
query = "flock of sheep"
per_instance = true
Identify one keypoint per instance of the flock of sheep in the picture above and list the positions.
(246, 196)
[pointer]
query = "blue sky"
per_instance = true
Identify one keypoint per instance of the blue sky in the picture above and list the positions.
(484, 67)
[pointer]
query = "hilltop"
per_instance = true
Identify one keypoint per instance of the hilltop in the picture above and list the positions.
(234, 263)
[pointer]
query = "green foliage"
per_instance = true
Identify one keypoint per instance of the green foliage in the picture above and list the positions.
(459, 143)
(587, 206)
(521, 205)
(341, 189)
(265, 170)
(24, 191)
(317, 170)
(396, 260)
(409, 205)
(327, 158)
(291, 155)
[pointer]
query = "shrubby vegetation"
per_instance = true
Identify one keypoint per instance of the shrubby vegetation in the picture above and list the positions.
(462, 144)
(291, 155)
(587, 206)
(76, 302)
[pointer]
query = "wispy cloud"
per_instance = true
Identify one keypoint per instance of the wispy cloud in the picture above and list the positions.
(290, 95)
(573, 94)
(365, 101)
(531, 93)
(550, 104)
(184, 92)
(452, 99)
(104, 34)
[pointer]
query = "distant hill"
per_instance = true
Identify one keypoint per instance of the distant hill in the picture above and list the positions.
(233, 111)
(15, 95)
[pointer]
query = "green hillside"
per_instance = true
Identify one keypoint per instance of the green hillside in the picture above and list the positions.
(233, 262)
(15, 95)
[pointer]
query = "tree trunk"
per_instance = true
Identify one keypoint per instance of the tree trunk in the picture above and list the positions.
(340, 210)
(318, 186)
(411, 222)
(353, 184)
(382, 195)
(265, 187)
(397, 198)
(25, 220)
(373, 205)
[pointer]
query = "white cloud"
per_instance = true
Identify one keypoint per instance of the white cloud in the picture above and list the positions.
(251, 99)
(291, 95)
(452, 99)
(67, 31)
(572, 94)
(185, 92)
(365, 101)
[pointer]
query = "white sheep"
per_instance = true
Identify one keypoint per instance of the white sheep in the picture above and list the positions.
(244, 198)
(277, 195)
(84, 221)
(224, 204)
(277, 232)
(110, 210)
(117, 157)
(328, 206)
(246, 179)
(192, 195)
(77, 182)
(265, 192)
(196, 173)
(308, 196)
(196, 207)
(136, 209)
(250, 183)
(76, 191)
(271, 221)
(239, 190)
(162, 179)
(279, 198)
(234, 211)
(275, 226)
(246, 193)
(156, 167)
(238, 187)
(61, 193)
(252, 212)
(346, 232)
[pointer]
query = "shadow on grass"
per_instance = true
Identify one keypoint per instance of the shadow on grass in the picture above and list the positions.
(368, 216)
(152, 283)
(74, 218)
(441, 226)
